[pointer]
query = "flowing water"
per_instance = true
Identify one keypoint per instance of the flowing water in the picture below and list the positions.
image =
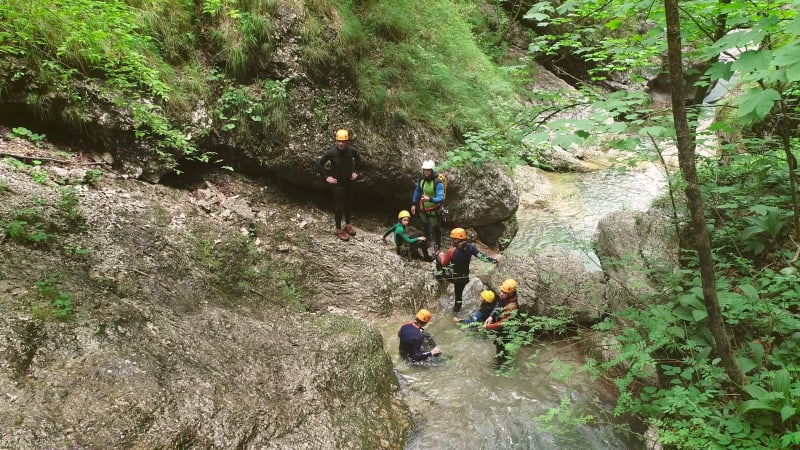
(579, 201)
(462, 402)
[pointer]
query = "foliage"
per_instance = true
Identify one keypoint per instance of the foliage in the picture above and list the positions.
(401, 62)
(59, 304)
(672, 378)
(238, 269)
(24, 133)
(93, 176)
(38, 223)
(521, 330)
(408, 61)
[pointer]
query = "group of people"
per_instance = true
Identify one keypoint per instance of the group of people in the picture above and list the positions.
(340, 164)
(492, 315)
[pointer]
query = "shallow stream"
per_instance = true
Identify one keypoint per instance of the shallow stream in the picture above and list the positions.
(463, 403)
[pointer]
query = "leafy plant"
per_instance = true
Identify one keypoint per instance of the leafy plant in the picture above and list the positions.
(24, 133)
(59, 302)
(92, 177)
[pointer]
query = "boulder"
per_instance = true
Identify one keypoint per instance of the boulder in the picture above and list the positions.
(554, 282)
(635, 249)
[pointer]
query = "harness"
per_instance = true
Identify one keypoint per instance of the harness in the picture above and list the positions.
(422, 181)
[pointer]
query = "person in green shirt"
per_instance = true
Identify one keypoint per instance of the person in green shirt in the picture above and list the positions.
(408, 246)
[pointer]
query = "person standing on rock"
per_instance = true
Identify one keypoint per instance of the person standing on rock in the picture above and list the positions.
(507, 308)
(406, 245)
(412, 335)
(429, 193)
(453, 265)
(339, 165)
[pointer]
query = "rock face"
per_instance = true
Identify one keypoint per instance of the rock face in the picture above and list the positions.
(553, 282)
(635, 250)
(151, 317)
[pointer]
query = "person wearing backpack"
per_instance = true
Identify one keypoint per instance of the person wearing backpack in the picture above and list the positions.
(429, 193)
(408, 246)
(344, 161)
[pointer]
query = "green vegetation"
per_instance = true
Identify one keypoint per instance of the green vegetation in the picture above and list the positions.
(38, 223)
(57, 304)
(238, 270)
(411, 61)
(700, 384)
(402, 62)
(24, 133)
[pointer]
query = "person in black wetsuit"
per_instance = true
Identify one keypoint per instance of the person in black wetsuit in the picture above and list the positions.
(345, 161)
(412, 335)
(456, 261)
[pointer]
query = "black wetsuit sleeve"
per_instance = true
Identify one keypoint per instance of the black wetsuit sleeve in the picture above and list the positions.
(322, 161)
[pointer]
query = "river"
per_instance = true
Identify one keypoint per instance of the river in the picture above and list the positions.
(463, 403)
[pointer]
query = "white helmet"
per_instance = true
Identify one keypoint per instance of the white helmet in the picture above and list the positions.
(429, 164)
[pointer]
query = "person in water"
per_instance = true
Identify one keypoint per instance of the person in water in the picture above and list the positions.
(412, 335)
(497, 321)
(484, 310)
(409, 246)
(454, 263)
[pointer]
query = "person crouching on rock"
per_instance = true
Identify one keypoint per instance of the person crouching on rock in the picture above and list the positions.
(412, 335)
(408, 246)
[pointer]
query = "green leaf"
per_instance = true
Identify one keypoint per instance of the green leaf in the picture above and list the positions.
(684, 313)
(747, 364)
(699, 314)
(654, 131)
(788, 56)
(758, 392)
(566, 140)
(756, 405)
(794, 26)
(781, 381)
(752, 61)
(749, 291)
(787, 412)
(756, 103)
(720, 71)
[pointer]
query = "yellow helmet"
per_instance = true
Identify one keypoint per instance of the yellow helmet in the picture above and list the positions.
(487, 296)
(423, 315)
(509, 286)
(402, 214)
(342, 135)
(458, 233)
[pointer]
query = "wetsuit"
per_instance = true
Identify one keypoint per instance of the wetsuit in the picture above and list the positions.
(430, 211)
(406, 245)
(342, 165)
(411, 338)
(459, 258)
(483, 313)
(501, 336)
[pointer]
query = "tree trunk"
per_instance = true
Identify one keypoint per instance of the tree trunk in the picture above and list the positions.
(686, 155)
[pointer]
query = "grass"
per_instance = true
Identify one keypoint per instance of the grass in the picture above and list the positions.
(407, 61)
